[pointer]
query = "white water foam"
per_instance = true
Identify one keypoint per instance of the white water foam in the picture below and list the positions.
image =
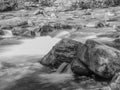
(63, 34)
(7, 33)
(31, 47)
(55, 77)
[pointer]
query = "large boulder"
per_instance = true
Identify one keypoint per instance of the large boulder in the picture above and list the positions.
(64, 51)
(10, 23)
(101, 59)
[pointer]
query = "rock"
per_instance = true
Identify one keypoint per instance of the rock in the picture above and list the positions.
(90, 84)
(38, 11)
(29, 34)
(13, 22)
(59, 25)
(115, 83)
(18, 31)
(102, 59)
(1, 32)
(95, 24)
(7, 5)
(68, 69)
(79, 68)
(62, 67)
(64, 51)
(45, 29)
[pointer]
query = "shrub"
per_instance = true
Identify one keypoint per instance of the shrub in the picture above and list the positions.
(85, 4)
(47, 3)
(6, 5)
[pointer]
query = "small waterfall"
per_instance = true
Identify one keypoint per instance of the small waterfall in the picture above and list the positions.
(7, 34)
(63, 34)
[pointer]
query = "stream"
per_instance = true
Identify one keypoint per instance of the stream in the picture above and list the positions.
(20, 70)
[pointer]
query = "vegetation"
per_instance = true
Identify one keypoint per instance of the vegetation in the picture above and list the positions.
(7, 5)
(84, 4)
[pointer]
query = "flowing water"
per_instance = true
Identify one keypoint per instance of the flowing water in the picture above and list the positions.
(21, 55)
(19, 64)
(7, 34)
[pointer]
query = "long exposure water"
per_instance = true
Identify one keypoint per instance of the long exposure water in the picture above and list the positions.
(18, 67)
(22, 54)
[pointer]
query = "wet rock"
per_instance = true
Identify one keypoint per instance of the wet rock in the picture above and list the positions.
(9, 23)
(7, 5)
(64, 51)
(115, 83)
(62, 67)
(19, 31)
(90, 84)
(29, 34)
(37, 12)
(1, 32)
(101, 59)
(68, 69)
(79, 68)
(62, 26)
(45, 29)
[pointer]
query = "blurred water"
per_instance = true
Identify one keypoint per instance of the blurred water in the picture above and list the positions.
(31, 47)
(7, 34)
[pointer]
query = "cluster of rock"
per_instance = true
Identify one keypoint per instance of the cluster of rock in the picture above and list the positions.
(86, 59)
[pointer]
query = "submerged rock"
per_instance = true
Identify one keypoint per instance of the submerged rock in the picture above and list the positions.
(38, 11)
